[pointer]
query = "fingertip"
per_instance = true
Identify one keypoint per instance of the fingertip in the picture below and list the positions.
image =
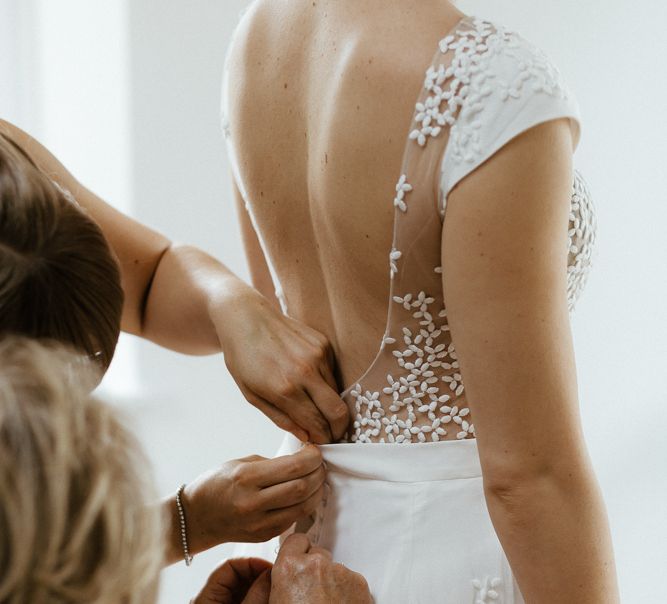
(299, 433)
(296, 543)
(312, 452)
(341, 423)
(340, 433)
(321, 438)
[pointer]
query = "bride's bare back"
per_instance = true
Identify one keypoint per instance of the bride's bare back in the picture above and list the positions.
(321, 95)
(320, 100)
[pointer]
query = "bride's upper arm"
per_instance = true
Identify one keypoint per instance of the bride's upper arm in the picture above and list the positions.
(504, 258)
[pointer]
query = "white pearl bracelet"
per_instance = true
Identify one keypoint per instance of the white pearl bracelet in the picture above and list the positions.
(184, 535)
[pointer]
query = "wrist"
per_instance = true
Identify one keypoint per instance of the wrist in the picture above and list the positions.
(174, 545)
(204, 526)
(182, 531)
(185, 541)
(234, 304)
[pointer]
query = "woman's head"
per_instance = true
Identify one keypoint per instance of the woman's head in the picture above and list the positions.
(58, 278)
(76, 523)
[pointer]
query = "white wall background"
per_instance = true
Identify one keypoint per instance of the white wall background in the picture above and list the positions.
(126, 92)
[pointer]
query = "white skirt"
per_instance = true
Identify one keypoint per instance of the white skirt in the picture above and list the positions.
(412, 519)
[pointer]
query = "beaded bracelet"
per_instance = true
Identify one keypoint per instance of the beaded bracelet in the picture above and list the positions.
(184, 535)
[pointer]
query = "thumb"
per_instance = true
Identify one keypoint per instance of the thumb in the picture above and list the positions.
(260, 591)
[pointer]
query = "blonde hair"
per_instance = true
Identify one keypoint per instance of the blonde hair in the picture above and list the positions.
(78, 520)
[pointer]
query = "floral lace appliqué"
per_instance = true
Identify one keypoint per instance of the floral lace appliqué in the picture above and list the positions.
(427, 381)
(415, 393)
(456, 93)
(402, 188)
(486, 591)
(394, 257)
(581, 239)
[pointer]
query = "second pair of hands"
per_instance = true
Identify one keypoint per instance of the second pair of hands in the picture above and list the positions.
(250, 500)
(285, 369)
(302, 574)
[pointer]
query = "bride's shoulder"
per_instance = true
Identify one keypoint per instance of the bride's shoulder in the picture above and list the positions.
(498, 84)
(248, 26)
(259, 34)
(264, 20)
(485, 49)
(248, 44)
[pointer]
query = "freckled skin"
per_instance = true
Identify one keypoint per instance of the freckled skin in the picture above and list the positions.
(329, 167)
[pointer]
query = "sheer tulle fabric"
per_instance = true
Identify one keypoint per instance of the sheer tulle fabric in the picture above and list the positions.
(485, 86)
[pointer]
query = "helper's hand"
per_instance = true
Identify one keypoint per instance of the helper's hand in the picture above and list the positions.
(304, 574)
(282, 367)
(246, 581)
(251, 499)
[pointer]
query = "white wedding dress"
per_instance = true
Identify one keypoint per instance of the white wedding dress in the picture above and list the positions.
(405, 505)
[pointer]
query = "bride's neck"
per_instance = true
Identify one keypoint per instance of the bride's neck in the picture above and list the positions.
(395, 10)
(388, 4)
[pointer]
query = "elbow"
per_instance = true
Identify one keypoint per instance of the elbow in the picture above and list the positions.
(149, 285)
(509, 494)
(516, 489)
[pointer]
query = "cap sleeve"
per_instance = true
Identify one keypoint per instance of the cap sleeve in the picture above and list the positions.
(513, 86)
